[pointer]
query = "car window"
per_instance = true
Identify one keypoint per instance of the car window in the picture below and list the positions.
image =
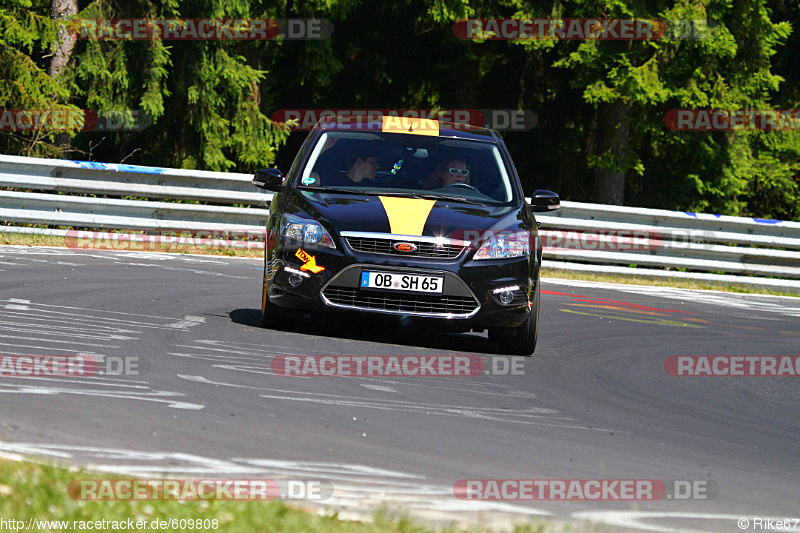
(398, 163)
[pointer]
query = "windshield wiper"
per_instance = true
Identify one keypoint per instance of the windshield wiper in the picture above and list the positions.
(351, 191)
(424, 196)
(450, 198)
(328, 189)
(399, 194)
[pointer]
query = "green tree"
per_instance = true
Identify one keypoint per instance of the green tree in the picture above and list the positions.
(202, 96)
(600, 137)
(27, 35)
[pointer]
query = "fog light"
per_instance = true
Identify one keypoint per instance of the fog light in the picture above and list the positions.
(295, 276)
(505, 297)
(505, 294)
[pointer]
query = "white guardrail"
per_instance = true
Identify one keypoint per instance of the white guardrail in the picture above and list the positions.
(579, 236)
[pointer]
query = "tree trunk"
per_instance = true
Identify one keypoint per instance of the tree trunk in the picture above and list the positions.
(62, 10)
(613, 137)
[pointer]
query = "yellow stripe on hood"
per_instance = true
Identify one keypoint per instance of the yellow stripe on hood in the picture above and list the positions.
(407, 216)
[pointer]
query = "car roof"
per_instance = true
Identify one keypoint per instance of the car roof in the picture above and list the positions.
(445, 129)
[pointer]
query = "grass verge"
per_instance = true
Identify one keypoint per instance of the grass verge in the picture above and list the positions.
(25, 239)
(659, 282)
(39, 492)
(49, 240)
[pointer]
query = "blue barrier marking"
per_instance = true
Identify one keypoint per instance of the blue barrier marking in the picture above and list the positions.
(94, 165)
(141, 169)
(759, 220)
(694, 215)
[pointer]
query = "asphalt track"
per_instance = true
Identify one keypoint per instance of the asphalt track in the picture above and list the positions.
(594, 401)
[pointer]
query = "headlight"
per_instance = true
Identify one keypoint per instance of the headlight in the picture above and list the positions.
(305, 231)
(506, 244)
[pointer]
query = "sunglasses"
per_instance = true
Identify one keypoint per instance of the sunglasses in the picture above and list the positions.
(456, 172)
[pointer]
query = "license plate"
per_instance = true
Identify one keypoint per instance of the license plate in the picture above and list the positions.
(401, 282)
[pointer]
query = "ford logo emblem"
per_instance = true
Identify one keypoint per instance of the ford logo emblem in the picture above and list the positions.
(406, 247)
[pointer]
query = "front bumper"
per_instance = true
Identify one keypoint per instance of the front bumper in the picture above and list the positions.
(469, 299)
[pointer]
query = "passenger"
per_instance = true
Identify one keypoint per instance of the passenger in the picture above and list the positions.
(363, 169)
(358, 170)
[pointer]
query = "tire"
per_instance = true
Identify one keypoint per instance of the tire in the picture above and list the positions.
(272, 316)
(522, 339)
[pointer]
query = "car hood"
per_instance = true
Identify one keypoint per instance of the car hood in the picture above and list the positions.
(405, 216)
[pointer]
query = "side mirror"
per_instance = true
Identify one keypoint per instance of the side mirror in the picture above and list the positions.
(270, 179)
(543, 200)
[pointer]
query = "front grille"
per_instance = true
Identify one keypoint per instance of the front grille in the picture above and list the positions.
(423, 304)
(424, 249)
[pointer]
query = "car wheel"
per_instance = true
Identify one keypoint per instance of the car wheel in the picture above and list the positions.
(272, 316)
(522, 339)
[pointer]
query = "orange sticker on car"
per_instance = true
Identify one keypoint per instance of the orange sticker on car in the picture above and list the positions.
(309, 262)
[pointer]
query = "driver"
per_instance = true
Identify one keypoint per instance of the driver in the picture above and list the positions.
(451, 170)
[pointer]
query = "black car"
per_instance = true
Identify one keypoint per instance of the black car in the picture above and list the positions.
(408, 217)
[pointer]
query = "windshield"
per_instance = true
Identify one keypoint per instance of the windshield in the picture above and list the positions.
(409, 165)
